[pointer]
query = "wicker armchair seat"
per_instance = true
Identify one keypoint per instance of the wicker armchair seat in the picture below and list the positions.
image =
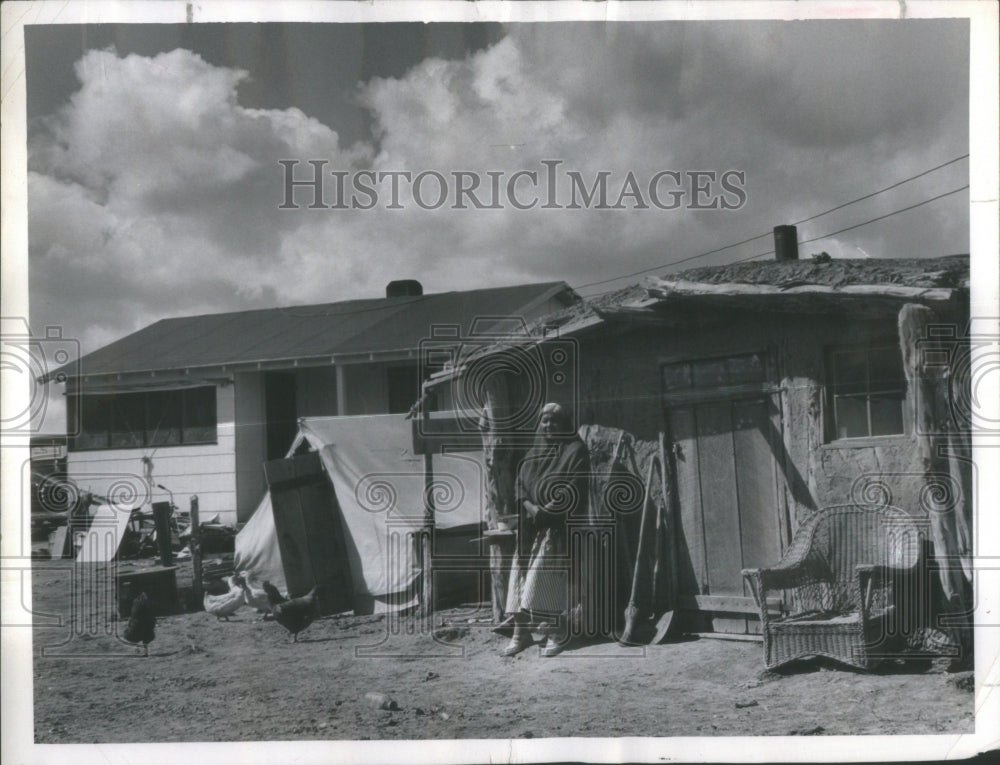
(839, 582)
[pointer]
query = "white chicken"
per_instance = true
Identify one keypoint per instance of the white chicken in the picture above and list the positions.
(225, 605)
(255, 597)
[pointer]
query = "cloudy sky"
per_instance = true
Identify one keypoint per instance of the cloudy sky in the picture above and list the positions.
(155, 184)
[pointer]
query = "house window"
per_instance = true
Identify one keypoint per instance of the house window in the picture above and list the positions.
(685, 376)
(867, 388)
(137, 420)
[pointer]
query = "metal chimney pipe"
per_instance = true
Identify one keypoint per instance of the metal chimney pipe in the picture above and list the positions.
(786, 243)
(404, 288)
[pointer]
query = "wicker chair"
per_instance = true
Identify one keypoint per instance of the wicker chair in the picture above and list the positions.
(841, 578)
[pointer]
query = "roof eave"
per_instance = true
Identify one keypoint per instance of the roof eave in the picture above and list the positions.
(570, 329)
(265, 364)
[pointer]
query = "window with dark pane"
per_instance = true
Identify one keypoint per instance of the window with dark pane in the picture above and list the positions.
(745, 369)
(163, 409)
(128, 420)
(710, 373)
(95, 422)
(866, 389)
(676, 376)
(199, 416)
(748, 368)
(138, 420)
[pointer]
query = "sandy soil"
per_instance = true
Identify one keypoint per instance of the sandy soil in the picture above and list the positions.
(210, 680)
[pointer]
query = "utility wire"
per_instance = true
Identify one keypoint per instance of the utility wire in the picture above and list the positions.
(796, 223)
(880, 191)
(887, 215)
(865, 223)
(824, 236)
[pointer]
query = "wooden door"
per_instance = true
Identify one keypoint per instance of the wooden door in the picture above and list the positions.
(310, 532)
(724, 425)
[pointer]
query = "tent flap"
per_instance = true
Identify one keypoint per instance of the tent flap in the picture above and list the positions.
(379, 485)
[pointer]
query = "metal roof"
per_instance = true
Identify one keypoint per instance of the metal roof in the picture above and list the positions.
(352, 328)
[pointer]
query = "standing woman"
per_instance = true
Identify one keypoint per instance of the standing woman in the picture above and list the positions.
(552, 487)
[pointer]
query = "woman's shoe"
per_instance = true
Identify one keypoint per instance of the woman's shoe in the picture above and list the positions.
(517, 644)
(553, 647)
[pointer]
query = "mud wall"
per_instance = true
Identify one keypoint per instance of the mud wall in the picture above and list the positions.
(620, 385)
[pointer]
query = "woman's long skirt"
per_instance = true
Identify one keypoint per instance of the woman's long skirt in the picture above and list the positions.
(539, 581)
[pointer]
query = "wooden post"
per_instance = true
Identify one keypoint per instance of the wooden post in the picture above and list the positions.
(950, 529)
(671, 510)
(195, 544)
(161, 517)
(424, 551)
(500, 468)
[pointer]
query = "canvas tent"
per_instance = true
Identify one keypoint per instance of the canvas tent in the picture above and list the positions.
(378, 485)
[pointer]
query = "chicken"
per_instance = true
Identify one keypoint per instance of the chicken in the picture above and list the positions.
(294, 614)
(251, 596)
(225, 605)
(141, 625)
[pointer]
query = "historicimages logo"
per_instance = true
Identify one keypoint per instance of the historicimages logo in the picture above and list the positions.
(549, 186)
(29, 362)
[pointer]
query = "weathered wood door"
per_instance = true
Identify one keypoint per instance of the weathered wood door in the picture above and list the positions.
(310, 532)
(724, 424)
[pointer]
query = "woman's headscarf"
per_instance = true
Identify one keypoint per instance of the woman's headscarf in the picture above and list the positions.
(555, 471)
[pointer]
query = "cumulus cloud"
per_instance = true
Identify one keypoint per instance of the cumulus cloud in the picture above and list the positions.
(155, 192)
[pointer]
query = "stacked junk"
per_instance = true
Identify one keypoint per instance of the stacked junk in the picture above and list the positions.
(92, 529)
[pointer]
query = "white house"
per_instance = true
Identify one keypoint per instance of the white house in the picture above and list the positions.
(198, 403)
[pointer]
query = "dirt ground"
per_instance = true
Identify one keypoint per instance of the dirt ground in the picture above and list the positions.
(243, 680)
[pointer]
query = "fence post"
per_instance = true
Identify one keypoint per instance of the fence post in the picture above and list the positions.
(195, 544)
(161, 516)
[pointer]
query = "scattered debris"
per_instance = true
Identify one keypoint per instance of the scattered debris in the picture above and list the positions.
(377, 700)
(818, 730)
(964, 681)
(450, 634)
(431, 675)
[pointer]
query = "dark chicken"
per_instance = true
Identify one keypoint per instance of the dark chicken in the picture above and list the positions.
(294, 614)
(141, 626)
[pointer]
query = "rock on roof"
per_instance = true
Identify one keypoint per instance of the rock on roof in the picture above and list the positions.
(945, 273)
(950, 271)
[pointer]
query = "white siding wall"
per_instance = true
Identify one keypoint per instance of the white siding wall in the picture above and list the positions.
(206, 469)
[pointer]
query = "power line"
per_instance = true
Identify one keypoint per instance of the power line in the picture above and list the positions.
(887, 215)
(796, 223)
(671, 263)
(865, 223)
(880, 191)
(833, 233)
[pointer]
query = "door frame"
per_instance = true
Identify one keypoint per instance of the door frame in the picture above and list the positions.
(774, 394)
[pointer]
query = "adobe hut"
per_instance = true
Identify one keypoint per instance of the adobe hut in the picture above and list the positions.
(780, 388)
